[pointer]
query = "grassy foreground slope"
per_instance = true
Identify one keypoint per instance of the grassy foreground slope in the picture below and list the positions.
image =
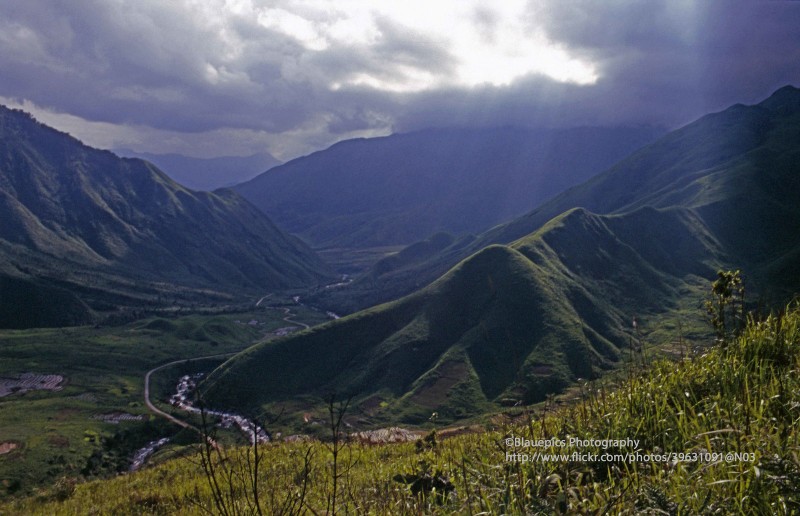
(720, 430)
(508, 325)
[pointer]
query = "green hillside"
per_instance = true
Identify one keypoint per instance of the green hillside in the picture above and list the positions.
(563, 298)
(737, 169)
(118, 231)
(508, 325)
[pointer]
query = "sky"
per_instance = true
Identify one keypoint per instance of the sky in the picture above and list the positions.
(211, 78)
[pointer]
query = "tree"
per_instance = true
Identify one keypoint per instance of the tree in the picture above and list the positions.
(726, 306)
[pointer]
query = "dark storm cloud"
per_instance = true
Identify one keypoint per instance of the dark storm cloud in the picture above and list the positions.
(659, 64)
(173, 66)
(156, 64)
(146, 63)
(668, 62)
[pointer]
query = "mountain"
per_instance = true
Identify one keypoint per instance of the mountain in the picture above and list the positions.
(100, 230)
(507, 325)
(207, 174)
(403, 188)
(562, 296)
(737, 169)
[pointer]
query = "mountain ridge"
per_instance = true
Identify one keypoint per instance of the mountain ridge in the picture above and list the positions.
(207, 174)
(404, 187)
(507, 325)
(737, 168)
(545, 300)
(92, 221)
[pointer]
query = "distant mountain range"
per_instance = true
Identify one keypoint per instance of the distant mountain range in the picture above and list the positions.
(82, 230)
(403, 188)
(506, 316)
(552, 296)
(207, 174)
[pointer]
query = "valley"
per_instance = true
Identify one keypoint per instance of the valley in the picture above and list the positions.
(399, 258)
(400, 311)
(477, 470)
(111, 381)
(528, 307)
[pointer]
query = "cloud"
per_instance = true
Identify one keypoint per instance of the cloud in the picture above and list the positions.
(294, 75)
(673, 61)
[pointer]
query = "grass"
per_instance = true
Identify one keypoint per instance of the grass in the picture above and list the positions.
(734, 407)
